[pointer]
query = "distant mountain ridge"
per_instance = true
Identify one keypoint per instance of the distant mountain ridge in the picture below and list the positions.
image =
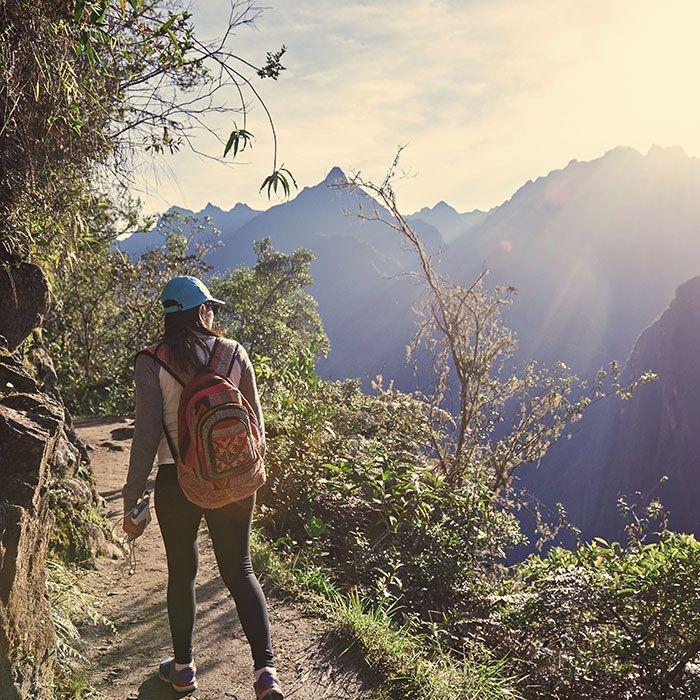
(595, 250)
(448, 220)
(356, 261)
(228, 222)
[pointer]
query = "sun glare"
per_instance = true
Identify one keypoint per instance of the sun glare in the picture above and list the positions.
(655, 72)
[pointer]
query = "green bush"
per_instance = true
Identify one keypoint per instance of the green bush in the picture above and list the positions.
(351, 483)
(353, 491)
(607, 621)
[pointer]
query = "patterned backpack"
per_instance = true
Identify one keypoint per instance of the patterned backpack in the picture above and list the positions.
(219, 453)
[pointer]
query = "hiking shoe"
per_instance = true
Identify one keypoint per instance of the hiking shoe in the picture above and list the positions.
(183, 681)
(267, 687)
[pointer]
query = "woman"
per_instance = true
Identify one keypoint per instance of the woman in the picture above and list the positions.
(190, 338)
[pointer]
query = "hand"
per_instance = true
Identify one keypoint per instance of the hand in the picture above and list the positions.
(132, 531)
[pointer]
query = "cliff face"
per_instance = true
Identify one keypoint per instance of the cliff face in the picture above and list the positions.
(24, 300)
(622, 447)
(40, 461)
(657, 432)
(30, 428)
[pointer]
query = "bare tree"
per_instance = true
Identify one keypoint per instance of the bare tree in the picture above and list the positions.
(505, 417)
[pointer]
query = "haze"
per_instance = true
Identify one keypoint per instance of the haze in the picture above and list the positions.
(485, 94)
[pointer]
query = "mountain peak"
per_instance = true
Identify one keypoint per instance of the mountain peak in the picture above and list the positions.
(240, 206)
(212, 209)
(688, 292)
(442, 205)
(335, 176)
(670, 152)
(622, 150)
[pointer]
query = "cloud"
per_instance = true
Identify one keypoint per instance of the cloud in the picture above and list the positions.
(485, 93)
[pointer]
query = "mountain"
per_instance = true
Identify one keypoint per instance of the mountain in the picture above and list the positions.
(448, 220)
(326, 209)
(595, 250)
(357, 265)
(658, 432)
(227, 222)
(627, 446)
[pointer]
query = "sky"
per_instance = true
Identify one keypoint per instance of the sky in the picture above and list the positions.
(484, 94)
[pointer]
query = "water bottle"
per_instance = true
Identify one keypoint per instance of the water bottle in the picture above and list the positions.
(141, 512)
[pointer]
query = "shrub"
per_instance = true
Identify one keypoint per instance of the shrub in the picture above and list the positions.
(607, 621)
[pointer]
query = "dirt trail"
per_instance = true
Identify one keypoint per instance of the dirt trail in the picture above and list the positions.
(122, 665)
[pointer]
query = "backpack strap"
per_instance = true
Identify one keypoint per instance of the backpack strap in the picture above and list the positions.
(213, 361)
(159, 352)
(223, 357)
(233, 359)
(159, 356)
(169, 440)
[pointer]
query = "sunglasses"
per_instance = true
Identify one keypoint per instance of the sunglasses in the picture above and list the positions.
(214, 308)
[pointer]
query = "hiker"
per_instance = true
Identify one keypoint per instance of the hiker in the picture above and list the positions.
(189, 344)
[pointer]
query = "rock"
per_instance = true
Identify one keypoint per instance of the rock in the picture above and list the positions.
(29, 430)
(102, 545)
(38, 459)
(77, 490)
(122, 433)
(67, 458)
(111, 446)
(13, 378)
(24, 300)
(47, 381)
(43, 366)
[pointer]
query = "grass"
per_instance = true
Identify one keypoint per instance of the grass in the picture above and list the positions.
(71, 685)
(393, 650)
(69, 605)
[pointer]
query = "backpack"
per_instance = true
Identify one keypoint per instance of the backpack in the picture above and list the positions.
(219, 453)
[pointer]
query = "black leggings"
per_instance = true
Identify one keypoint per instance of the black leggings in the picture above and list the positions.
(229, 528)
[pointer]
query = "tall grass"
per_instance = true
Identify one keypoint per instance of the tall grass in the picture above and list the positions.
(392, 649)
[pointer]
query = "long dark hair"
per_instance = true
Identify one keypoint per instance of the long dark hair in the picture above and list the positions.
(182, 336)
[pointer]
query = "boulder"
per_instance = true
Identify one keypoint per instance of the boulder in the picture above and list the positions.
(24, 300)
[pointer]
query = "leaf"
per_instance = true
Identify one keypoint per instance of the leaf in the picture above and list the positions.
(98, 14)
(277, 178)
(79, 7)
(229, 143)
(174, 41)
(166, 25)
(286, 170)
(90, 50)
(239, 139)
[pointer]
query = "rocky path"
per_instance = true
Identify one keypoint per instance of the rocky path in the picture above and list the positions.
(310, 659)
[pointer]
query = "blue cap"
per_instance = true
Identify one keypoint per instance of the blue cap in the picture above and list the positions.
(187, 293)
